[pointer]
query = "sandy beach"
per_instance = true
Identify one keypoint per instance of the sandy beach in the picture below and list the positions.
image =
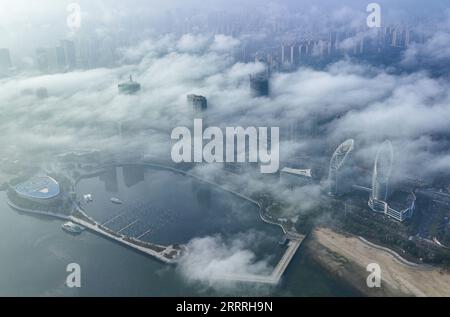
(348, 256)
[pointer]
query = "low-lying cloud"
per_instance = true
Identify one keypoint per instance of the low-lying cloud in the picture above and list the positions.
(211, 259)
(315, 109)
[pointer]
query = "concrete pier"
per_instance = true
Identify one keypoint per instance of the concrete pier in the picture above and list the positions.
(277, 273)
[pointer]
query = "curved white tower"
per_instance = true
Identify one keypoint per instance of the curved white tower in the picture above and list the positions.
(337, 162)
(380, 178)
(382, 171)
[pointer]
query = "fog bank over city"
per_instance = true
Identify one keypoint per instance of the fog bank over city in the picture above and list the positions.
(330, 78)
(25, 25)
(361, 102)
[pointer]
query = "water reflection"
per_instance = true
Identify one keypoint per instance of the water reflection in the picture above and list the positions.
(165, 207)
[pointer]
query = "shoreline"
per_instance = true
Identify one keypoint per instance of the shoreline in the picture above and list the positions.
(346, 257)
(136, 244)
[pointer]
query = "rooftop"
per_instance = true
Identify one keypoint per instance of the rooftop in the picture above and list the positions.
(129, 87)
(39, 187)
(297, 172)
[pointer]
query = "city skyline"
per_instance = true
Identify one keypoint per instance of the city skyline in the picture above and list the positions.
(315, 132)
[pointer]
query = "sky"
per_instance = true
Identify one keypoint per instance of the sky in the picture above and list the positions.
(352, 100)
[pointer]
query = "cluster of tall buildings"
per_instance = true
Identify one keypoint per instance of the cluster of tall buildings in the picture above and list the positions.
(61, 58)
(57, 59)
(285, 46)
(81, 52)
(397, 204)
(289, 40)
(305, 48)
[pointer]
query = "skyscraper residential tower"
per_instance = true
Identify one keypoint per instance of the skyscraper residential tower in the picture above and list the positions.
(259, 85)
(198, 103)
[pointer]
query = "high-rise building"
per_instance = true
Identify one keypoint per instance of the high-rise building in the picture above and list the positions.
(130, 87)
(69, 53)
(259, 85)
(336, 175)
(48, 59)
(382, 171)
(5, 61)
(199, 105)
(56, 59)
(289, 54)
(401, 204)
(283, 53)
